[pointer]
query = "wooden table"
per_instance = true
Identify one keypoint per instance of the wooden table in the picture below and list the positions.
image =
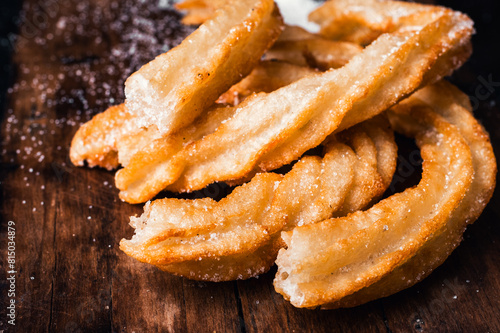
(70, 61)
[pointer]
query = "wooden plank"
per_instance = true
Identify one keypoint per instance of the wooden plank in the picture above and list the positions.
(266, 311)
(72, 58)
(30, 202)
(458, 296)
(84, 221)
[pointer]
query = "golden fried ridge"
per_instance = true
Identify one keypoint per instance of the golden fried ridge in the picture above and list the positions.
(177, 86)
(96, 141)
(198, 11)
(239, 236)
(271, 130)
(400, 240)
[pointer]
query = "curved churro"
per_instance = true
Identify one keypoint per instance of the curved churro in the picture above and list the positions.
(239, 236)
(400, 240)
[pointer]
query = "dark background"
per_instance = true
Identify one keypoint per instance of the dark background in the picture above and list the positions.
(9, 17)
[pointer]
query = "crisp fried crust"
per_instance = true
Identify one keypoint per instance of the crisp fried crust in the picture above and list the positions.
(238, 237)
(111, 138)
(271, 130)
(96, 141)
(177, 86)
(400, 240)
(198, 11)
(169, 93)
(363, 21)
(265, 77)
(450, 103)
(319, 53)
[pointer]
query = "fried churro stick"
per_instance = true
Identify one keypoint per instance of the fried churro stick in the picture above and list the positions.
(239, 236)
(271, 130)
(96, 141)
(400, 240)
(177, 86)
(198, 11)
(112, 138)
(319, 53)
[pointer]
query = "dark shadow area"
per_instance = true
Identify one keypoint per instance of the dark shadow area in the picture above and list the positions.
(484, 60)
(9, 14)
(409, 168)
(9, 11)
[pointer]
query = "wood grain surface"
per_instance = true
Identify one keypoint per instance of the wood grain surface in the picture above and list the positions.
(69, 61)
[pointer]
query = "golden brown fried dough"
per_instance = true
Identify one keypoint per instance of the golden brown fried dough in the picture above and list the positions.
(319, 53)
(198, 11)
(271, 130)
(281, 109)
(265, 77)
(96, 141)
(239, 236)
(400, 240)
(177, 86)
(450, 103)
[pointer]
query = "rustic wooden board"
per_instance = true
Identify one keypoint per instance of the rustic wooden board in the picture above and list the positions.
(70, 60)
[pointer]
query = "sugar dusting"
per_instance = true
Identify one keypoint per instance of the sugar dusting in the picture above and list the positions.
(91, 81)
(69, 69)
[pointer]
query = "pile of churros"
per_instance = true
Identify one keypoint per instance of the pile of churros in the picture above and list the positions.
(245, 94)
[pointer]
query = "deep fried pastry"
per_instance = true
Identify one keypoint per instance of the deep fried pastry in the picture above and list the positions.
(271, 130)
(238, 237)
(363, 21)
(265, 77)
(198, 11)
(96, 141)
(319, 53)
(433, 21)
(400, 240)
(111, 138)
(200, 233)
(177, 86)
(451, 104)
(332, 254)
